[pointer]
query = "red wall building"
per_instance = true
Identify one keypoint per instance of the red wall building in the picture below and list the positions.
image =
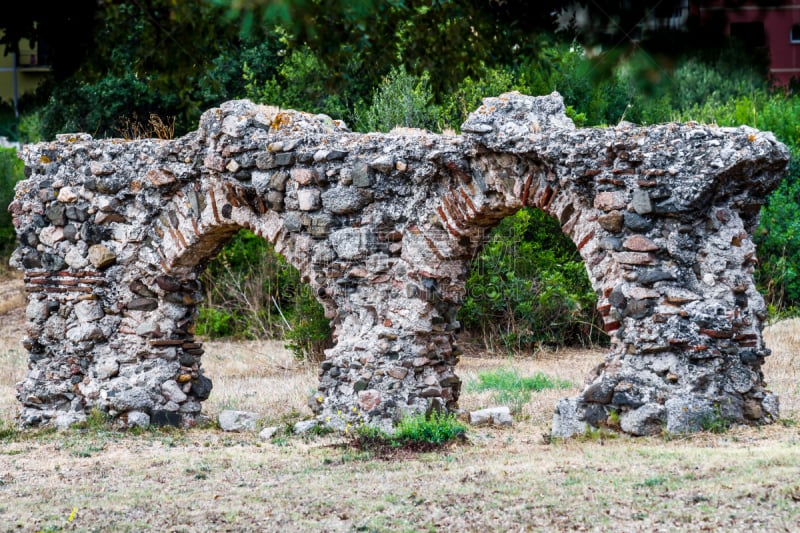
(776, 27)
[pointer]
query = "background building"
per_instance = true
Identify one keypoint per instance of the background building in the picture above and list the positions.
(771, 26)
(22, 73)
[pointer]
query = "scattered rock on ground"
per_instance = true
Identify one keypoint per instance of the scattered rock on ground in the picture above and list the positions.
(305, 426)
(497, 416)
(237, 420)
(268, 433)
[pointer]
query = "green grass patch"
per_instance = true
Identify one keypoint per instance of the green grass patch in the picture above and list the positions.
(95, 421)
(652, 482)
(512, 389)
(509, 379)
(7, 431)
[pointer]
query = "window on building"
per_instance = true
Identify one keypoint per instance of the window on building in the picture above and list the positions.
(794, 36)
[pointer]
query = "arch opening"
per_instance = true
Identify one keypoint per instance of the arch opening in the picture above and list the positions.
(252, 293)
(528, 288)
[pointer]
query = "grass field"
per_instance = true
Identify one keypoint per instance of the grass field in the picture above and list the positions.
(746, 479)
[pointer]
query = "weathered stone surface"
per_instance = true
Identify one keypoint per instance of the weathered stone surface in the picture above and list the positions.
(201, 387)
(304, 176)
(351, 243)
(76, 259)
(344, 200)
(383, 227)
(636, 222)
(67, 195)
(359, 174)
(304, 426)
(497, 416)
(640, 202)
(100, 256)
(160, 177)
(639, 243)
(237, 420)
(611, 222)
(688, 414)
(143, 304)
(610, 201)
(130, 398)
(57, 214)
(567, 419)
(138, 419)
(383, 164)
(268, 433)
(88, 311)
(106, 367)
(84, 332)
(309, 199)
(648, 419)
(369, 399)
(173, 392)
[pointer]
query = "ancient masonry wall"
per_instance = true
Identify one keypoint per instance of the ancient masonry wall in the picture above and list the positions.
(113, 235)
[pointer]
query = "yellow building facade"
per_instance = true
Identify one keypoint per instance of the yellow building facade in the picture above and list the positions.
(22, 73)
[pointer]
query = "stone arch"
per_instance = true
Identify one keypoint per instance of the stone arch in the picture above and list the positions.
(667, 249)
(383, 227)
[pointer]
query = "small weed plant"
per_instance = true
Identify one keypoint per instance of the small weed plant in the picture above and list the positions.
(7, 431)
(435, 429)
(96, 421)
(715, 422)
(613, 418)
(598, 434)
(417, 432)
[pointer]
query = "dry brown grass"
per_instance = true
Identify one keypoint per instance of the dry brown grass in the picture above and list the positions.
(508, 480)
(154, 127)
(13, 358)
(782, 369)
(12, 292)
(259, 376)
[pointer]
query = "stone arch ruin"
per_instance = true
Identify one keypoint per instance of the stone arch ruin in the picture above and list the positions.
(113, 235)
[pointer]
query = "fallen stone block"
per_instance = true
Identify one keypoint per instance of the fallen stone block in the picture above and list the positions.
(496, 416)
(237, 421)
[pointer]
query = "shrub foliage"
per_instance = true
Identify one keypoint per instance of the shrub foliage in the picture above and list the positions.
(11, 171)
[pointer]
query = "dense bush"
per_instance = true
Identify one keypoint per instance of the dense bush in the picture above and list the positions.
(298, 83)
(11, 171)
(528, 286)
(401, 100)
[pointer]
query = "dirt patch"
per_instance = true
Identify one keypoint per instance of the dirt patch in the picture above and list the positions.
(388, 450)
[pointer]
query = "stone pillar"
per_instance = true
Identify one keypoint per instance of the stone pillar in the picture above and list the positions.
(394, 330)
